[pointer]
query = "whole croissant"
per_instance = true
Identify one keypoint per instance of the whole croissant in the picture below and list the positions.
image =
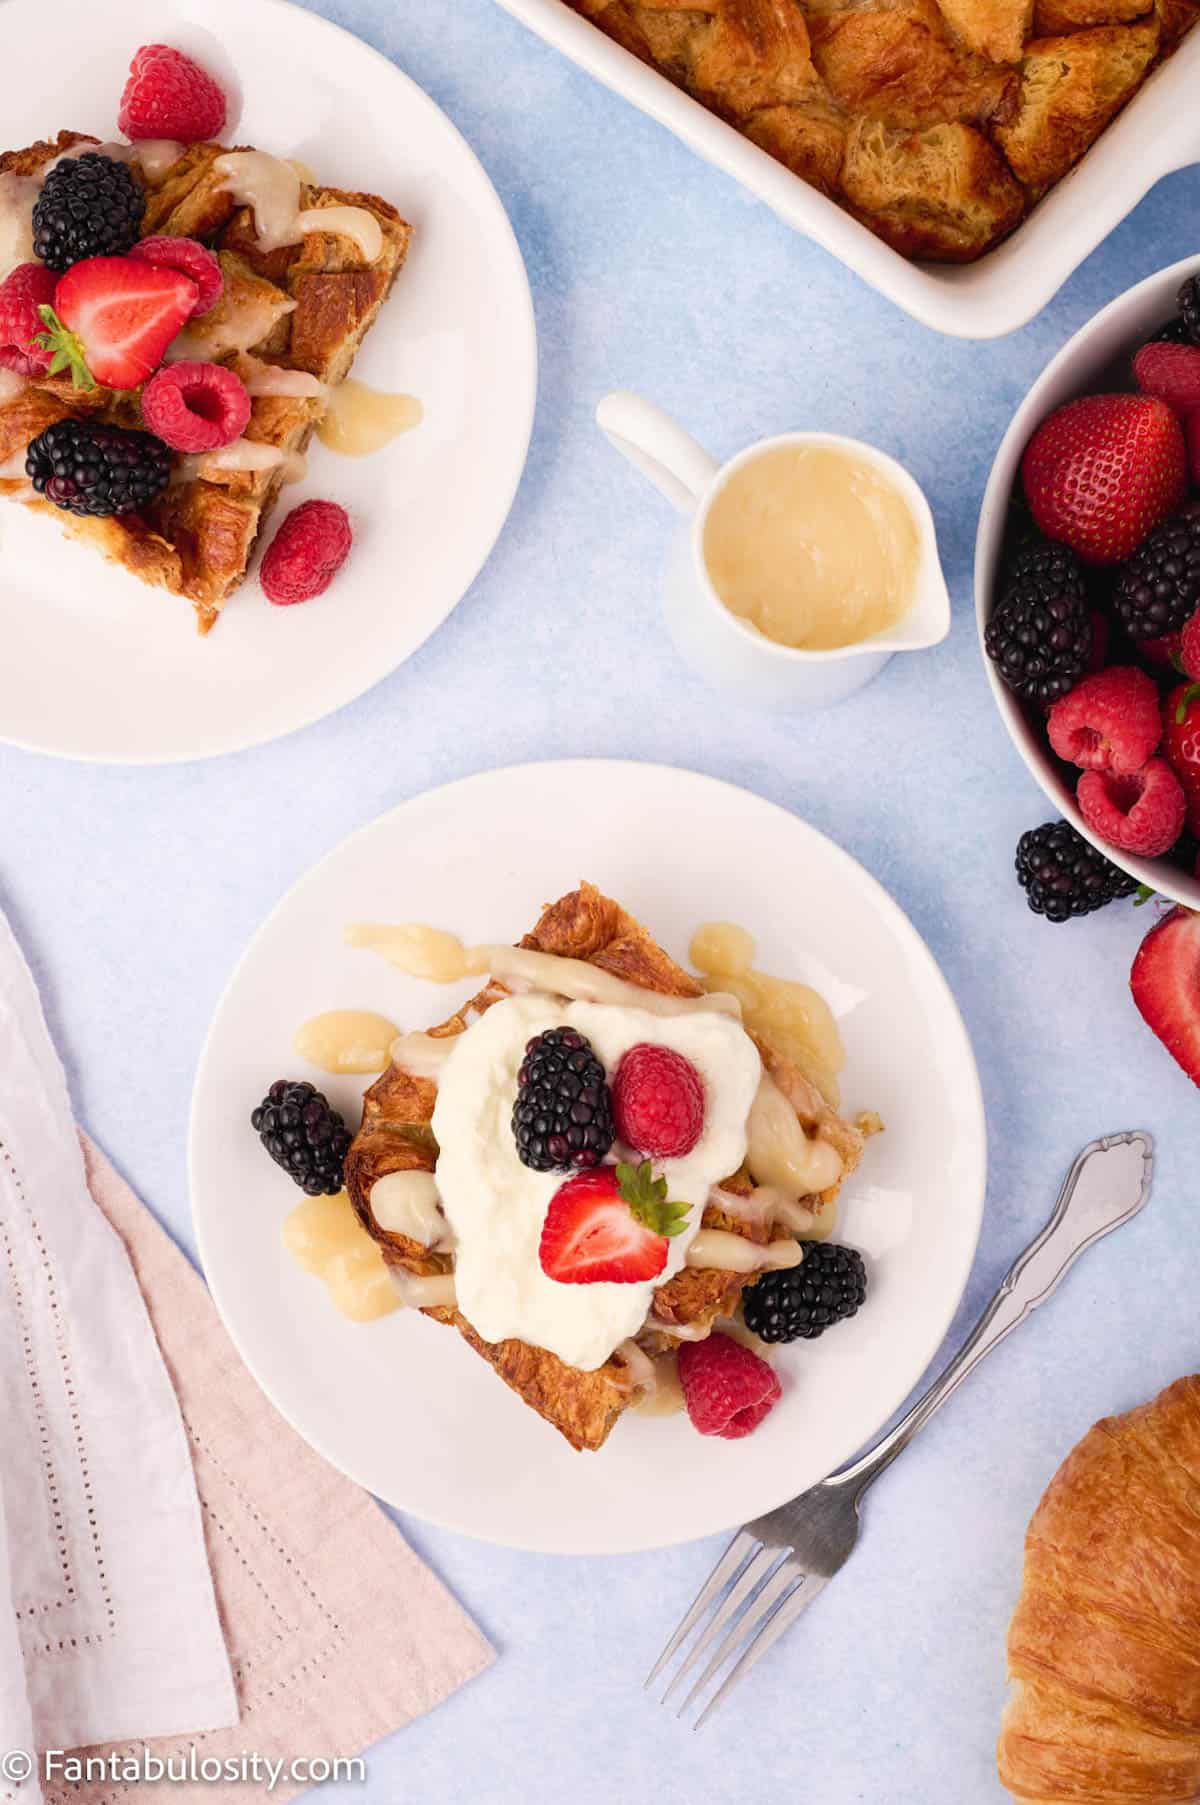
(1104, 1645)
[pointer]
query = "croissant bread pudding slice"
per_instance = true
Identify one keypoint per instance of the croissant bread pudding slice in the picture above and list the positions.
(1104, 1646)
(303, 307)
(396, 1136)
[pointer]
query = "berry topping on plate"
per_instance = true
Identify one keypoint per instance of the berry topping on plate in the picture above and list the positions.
(306, 554)
(801, 1302)
(727, 1388)
(1040, 637)
(196, 406)
(168, 95)
(1158, 591)
(1109, 722)
(89, 206)
(1103, 471)
(609, 1226)
(1165, 982)
(112, 319)
(304, 1135)
(1171, 372)
(1181, 744)
(87, 467)
(1138, 811)
(1064, 875)
(658, 1101)
(23, 291)
(192, 259)
(562, 1117)
(1188, 652)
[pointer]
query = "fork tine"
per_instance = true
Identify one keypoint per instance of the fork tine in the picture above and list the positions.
(730, 1607)
(726, 1569)
(792, 1605)
(760, 1607)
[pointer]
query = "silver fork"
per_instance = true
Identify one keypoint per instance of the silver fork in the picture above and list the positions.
(777, 1565)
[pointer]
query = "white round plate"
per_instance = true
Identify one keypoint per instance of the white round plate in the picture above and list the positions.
(403, 1405)
(96, 665)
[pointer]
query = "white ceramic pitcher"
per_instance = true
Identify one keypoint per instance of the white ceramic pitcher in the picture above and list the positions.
(717, 643)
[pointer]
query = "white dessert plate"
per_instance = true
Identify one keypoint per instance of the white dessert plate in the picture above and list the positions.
(402, 1404)
(97, 666)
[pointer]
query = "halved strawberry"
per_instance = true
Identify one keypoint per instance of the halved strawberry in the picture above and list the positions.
(1165, 982)
(112, 319)
(610, 1226)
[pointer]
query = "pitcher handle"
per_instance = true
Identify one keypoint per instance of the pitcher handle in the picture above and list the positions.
(678, 467)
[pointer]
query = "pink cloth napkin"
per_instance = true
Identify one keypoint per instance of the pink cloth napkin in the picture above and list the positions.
(336, 1632)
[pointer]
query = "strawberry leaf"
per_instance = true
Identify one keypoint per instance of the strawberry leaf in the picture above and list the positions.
(67, 349)
(1185, 702)
(648, 1201)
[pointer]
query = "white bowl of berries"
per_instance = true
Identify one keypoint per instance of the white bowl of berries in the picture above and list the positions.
(1087, 593)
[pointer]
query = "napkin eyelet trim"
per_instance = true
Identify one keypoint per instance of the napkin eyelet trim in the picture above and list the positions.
(53, 1489)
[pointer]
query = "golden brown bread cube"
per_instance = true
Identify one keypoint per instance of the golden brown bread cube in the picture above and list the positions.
(944, 193)
(996, 29)
(1071, 87)
(810, 140)
(897, 63)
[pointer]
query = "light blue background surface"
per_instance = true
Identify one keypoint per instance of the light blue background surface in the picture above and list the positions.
(133, 892)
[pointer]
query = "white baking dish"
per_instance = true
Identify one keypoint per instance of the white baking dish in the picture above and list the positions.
(1159, 131)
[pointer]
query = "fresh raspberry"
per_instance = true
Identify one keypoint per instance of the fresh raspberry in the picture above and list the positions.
(1136, 811)
(22, 292)
(195, 406)
(1108, 722)
(192, 259)
(658, 1101)
(306, 553)
(169, 96)
(727, 1389)
(1162, 651)
(1171, 373)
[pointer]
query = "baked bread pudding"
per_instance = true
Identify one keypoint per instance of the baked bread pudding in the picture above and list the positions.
(938, 123)
(592, 1167)
(201, 305)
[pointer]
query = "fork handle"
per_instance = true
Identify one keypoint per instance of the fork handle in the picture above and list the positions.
(1087, 1209)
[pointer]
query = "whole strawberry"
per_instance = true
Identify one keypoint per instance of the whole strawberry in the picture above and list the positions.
(1103, 471)
(1181, 744)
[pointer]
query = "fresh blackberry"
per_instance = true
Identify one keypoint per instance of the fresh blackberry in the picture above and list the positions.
(1173, 332)
(1189, 308)
(562, 1117)
(1040, 634)
(303, 1135)
(90, 468)
(801, 1302)
(1158, 589)
(1063, 875)
(90, 206)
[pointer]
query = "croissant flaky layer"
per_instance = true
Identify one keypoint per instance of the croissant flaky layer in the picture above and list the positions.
(1104, 1645)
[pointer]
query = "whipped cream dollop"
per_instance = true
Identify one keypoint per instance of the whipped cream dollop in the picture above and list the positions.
(496, 1206)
